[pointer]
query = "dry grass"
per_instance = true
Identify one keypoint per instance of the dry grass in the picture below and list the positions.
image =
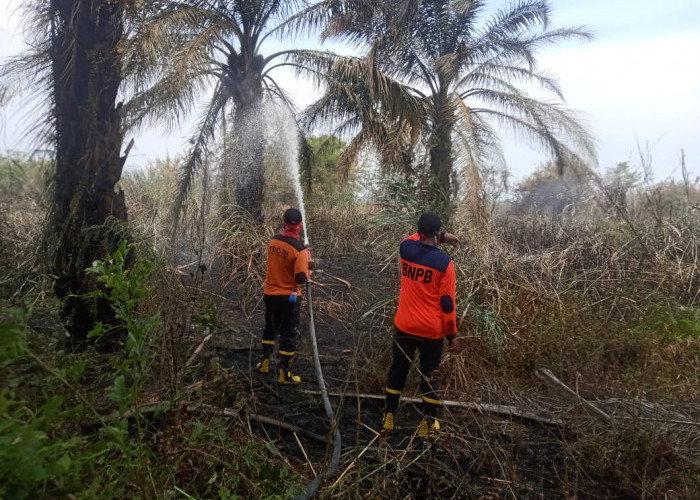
(21, 222)
(606, 297)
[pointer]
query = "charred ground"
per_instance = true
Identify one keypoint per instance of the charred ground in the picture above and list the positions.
(479, 454)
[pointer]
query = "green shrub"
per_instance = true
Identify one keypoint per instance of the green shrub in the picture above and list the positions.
(670, 323)
(41, 456)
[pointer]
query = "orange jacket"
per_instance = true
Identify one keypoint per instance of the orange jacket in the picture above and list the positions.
(427, 296)
(287, 266)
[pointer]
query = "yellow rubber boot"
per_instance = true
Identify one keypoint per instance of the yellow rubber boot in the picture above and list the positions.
(287, 378)
(388, 422)
(427, 429)
(264, 365)
(285, 371)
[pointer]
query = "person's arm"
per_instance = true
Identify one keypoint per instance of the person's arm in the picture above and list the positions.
(449, 238)
(448, 285)
(301, 267)
(312, 262)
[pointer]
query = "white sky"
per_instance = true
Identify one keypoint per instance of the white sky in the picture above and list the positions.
(637, 82)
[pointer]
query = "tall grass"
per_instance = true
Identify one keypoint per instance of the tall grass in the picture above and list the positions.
(22, 207)
(603, 293)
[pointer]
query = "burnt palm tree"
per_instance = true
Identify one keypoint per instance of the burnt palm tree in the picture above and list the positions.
(191, 51)
(464, 78)
(74, 63)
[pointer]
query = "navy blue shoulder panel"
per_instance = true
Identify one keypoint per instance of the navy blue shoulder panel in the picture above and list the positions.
(424, 255)
(298, 244)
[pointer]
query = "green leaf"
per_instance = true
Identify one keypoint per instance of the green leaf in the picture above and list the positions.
(270, 446)
(51, 407)
(12, 336)
(75, 371)
(64, 462)
(185, 494)
(99, 329)
(120, 394)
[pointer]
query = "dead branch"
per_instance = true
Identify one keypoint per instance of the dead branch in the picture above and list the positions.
(352, 464)
(306, 456)
(507, 410)
(550, 379)
(283, 425)
(198, 349)
(344, 282)
(228, 412)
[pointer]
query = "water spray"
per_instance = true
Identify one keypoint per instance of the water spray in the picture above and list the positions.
(290, 142)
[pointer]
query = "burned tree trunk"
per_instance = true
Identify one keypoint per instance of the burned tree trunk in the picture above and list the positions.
(86, 72)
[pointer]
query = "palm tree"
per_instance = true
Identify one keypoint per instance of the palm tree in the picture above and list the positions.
(194, 49)
(74, 63)
(456, 78)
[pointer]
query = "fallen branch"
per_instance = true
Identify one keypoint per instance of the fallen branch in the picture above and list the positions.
(352, 464)
(301, 446)
(197, 350)
(658, 420)
(157, 397)
(229, 412)
(507, 410)
(550, 379)
(283, 425)
(346, 283)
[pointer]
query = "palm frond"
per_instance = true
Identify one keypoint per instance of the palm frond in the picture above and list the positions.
(480, 142)
(525, 15)
(311, 18)
(504, 78)
(473, 146)
(27, 80)
(190, 38)
(281, 95)
(356, 87)
(509, 48)
(550, 125)
(164, 33)
(206, 130)
(348, 157)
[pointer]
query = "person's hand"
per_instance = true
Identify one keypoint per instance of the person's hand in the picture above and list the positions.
(450, 238)
(312, 263)
(452, 344)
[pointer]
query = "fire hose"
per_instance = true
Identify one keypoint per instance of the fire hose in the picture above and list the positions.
(335, 457)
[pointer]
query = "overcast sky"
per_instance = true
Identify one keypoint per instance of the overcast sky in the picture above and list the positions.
(638, 82)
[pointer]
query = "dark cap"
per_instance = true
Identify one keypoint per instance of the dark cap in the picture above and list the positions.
(429, 224)
(292, 216)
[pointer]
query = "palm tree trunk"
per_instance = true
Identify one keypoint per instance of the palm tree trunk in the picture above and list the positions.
(86, 79)
(441, 159)
(249, 158)
(441, 163)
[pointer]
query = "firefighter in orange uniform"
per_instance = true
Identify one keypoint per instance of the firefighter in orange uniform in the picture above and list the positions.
(425, 316)
(288, 264)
